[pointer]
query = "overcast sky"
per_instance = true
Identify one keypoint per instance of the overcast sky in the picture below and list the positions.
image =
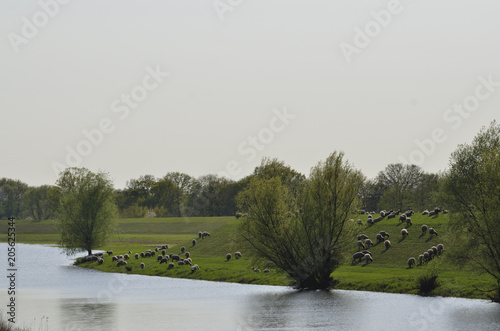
(149, 87)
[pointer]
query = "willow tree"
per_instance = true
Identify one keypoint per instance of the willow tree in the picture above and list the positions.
(86, 209)
(303, 231)
(472, 190)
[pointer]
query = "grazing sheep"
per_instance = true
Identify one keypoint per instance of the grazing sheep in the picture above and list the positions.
(157, 249)
(126, 256)
(163, 252)
(237, 255)
(360, 222)
(147, 254)
(153, 253)
(440, 248)
(170, 265)
(194, 268)
(362, 212)
(434, 249)
(142, 265)
(228, 256)
(180, 262)
(430, 251)
(411, 262)
(368, 243)
(205, 234)
(136, 255)
(402, 218)
(109, 252)
(164, 246)
(432, 232)
(200, 234)
(193, 242)
(408, 221)
(142, 254)
(370, 216)
(420, 259)
(187, 254)
(128, 268)
(425, 212)
(183, 249)
(266, 270)
(121, 262)
(391, 215)
(382, 213)
(256, 270)
(119, 257)
(187, 261)
(129, 252)
(445, 211)
(362, 236)
(380, 238)
(409, 212)
(384, 234)
(378, 219)
(114, 258)
(159, 258)
(387, 244)
(370, 221)
(368, 258)
(404, 232)
(100, 261)
(358, 256)
(360, 245)
(366, 252)
(427, 257)
(424, 229)
(175, 257)
(164, 260)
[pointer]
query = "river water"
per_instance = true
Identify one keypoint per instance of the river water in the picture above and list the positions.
(51, 294)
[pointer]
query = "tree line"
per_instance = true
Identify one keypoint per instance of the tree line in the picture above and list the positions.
(178, 194)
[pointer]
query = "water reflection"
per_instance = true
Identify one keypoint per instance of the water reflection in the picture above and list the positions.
(78, 314)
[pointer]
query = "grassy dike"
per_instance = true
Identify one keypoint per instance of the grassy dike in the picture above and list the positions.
(388, 273)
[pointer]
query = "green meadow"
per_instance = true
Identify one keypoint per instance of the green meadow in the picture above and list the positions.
(389, 271)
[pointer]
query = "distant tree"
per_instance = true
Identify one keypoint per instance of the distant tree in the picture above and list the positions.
(472, 189)
(11, 195)
(36, 203)
(303, 232)
(86, 209)
(167, 197)
(399, 182)
(370, 194)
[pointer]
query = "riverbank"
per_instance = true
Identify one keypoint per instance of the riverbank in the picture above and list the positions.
(388, 273)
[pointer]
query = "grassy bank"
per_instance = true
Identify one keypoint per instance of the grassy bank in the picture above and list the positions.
(389, 271)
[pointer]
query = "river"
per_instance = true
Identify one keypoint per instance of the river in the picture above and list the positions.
(52, 294)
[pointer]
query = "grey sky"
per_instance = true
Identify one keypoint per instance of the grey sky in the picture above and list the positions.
(227, 79)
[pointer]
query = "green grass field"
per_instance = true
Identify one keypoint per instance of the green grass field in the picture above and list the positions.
(389, 271)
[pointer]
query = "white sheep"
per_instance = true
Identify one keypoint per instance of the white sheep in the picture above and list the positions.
(387, 244)
(368, 258)
(228, 256)
(432, 232)
(368, 243)
(424, 229)
(411, 262)
(142, 265)
(237, 255)
(404, 233)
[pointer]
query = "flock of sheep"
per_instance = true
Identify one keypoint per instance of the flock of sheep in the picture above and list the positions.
(363, 242)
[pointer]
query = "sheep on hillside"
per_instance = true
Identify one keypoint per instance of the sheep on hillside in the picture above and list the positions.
(432, 232)
(440, 248)
(360, 245)
(237, 255)
(384, 234)
(368, 243)
(424, 229)
(362, 236)
(183, 249)
(387, 244)
(228, 256)
(358, 256)
(404, 233)
(380, 238)
(368, 258)
(193, 242)
(142, 265)
(411, 262)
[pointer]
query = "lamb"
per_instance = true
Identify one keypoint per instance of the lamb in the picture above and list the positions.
(237, 255)
(199, 235)
(142, 265)
(440, 248)
(358, 256)
(368, 258)
(109, 253)
(129, 252)
(228, 256)
(432, 232)
(183, 249)
(187, 261)
(193, 242)
(424, 229)
(362, 236)
(380, 238)
(360, 245)
(411, 262)
(170, 265)
(420, 259)
(153, 253)
(404, 233)
(387, 244)
(384, 234)
(368, 243)
(382, 213)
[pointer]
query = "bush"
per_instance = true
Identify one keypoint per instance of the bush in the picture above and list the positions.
(427, 283)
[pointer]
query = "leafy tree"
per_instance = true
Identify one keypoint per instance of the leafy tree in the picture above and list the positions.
(399, 182)
(11, 194)
(303, 232)
(37, 203)
(472, 189)
(86, 209)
